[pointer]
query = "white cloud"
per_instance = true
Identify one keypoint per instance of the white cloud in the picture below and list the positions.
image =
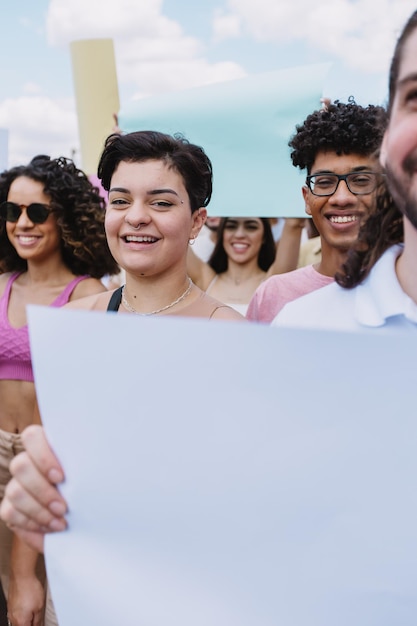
(162, 78)
(38, 125)
(226, 26)
(361, 33)
(78, 19)
(153, 55)
(152, 52)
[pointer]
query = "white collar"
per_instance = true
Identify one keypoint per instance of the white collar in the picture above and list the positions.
(380, 296)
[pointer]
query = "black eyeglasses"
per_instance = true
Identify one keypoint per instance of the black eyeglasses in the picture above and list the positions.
(37, 213)
(358, 183)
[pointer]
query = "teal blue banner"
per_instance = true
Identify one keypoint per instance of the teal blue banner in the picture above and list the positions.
(244, 126)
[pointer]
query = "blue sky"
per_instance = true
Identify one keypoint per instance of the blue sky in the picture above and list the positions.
(162, 46)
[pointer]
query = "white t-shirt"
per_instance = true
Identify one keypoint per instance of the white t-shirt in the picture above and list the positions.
(378, 302)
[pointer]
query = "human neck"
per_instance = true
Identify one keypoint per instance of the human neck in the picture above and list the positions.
(407, 262)
(53, 271)
(331, 261)
(148, 294)
(239, 273)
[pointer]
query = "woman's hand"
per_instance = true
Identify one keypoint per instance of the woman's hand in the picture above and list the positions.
(32, 505)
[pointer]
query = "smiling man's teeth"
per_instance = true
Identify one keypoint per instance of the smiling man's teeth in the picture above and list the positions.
(140, 239)
(343, 219)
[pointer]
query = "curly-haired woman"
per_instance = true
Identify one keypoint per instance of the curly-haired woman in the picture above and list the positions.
(53, 249)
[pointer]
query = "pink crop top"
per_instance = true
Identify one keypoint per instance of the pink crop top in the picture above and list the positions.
(15, 360)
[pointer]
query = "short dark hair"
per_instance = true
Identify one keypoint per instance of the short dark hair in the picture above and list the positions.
(79, 211)
(218, 260)
(189, 160)
(341, 128)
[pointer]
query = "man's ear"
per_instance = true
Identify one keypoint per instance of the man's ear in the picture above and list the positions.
(306, 196)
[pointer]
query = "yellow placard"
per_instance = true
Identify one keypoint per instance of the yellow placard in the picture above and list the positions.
(97, 96)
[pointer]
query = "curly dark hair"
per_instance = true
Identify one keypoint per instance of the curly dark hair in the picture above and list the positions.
(189, 160)
(79, 211)
(341, 128)
(218, 260)
(383, 228)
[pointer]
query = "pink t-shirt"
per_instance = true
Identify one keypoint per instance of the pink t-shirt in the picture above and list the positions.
(275, 292)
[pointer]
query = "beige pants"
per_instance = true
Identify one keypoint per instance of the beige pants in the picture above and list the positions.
(10, 446)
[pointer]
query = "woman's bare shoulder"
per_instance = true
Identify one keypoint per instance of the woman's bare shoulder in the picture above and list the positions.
(95, 302)
(225, 312)
(87, 287)
(216, 310)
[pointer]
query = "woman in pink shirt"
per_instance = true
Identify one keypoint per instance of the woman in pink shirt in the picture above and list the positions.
(53, 249)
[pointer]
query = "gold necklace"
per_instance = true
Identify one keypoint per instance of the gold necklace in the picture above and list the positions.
(131, 309)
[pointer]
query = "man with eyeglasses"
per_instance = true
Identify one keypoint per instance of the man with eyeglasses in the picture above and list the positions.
(377, 287)
(338, 147)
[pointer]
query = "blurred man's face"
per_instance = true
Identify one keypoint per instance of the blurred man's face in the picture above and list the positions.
(399, 147)
(213, 223)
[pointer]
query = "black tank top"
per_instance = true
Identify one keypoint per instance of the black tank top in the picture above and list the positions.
(115, 300)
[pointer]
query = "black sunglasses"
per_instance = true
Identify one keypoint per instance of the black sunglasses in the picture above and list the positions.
(37, 213)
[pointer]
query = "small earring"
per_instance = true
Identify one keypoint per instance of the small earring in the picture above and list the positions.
(191, 241)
